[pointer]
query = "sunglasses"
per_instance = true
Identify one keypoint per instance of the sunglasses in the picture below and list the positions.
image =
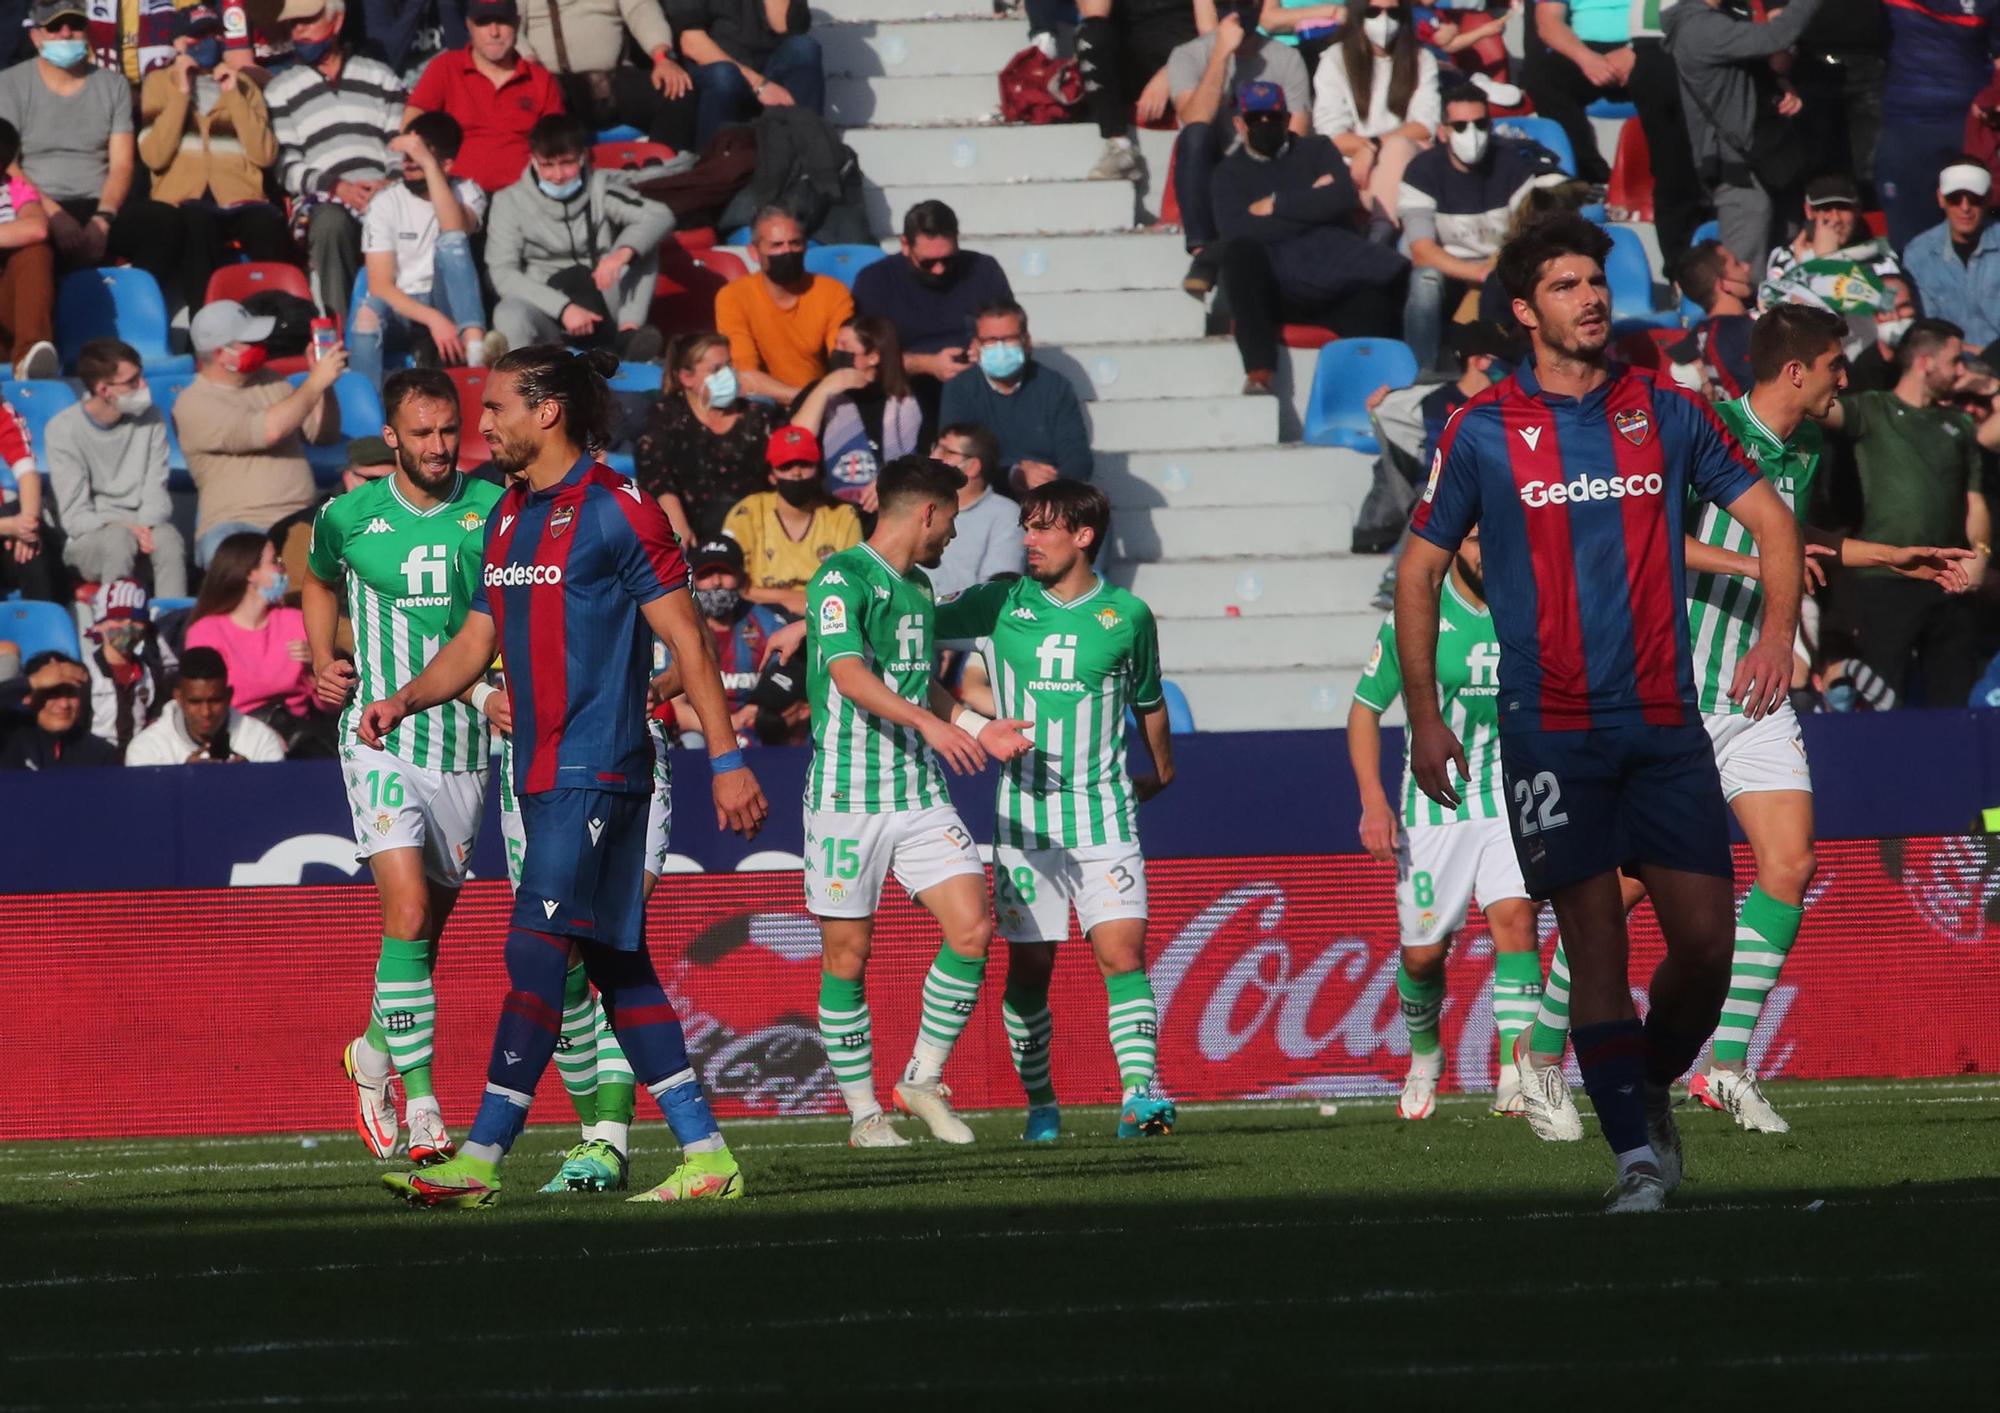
(66, 24)
(61, 694)
(1963, 198)
(1471, 125)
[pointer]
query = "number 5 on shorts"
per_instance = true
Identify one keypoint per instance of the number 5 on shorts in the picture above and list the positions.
(843, 858)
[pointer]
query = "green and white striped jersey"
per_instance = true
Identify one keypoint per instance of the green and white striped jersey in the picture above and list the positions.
(409, 576)
(859, 606)
(1072, 669)
(1468, 675)
(1724, 609)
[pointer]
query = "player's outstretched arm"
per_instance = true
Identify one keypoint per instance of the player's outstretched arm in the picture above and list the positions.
(739, 799)
(1433, 747)
(459, 664)
(1950, 569)
(1002, 739)
(1705, 558)
(959, 751)
(1764, 672)
(1156, 735)
(1364, 753)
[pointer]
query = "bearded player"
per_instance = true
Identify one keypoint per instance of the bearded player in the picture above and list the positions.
(405, 550)
(1446, 858)
(1800, 371)
(580, 569)
(1068, 654)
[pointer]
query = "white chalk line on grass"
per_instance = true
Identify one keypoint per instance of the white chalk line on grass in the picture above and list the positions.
(1067, 1310)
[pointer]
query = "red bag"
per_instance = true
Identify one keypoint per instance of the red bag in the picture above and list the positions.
(1037, 89)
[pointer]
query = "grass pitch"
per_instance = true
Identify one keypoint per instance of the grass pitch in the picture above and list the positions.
(1263, 1249)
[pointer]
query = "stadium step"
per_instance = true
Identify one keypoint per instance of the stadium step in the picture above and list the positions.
(833, 12)
(1285, 699)
(1137, 314)
(970, 154)
(968, 48)
(1038, 264)
(1103, 372)
(1249, 644)
(1021, 208)
(1146, 536)
(1238, 476)
(1153, 424)
(1336, 583)
(911, 102)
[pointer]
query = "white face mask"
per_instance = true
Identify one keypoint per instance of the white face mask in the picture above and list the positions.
(1469, 147)
(1381, 30)
(135, 403)
(1891, 331)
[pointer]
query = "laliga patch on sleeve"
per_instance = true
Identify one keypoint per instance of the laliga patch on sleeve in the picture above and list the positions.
(1437, 470)
(832, 616)
(1374, 660)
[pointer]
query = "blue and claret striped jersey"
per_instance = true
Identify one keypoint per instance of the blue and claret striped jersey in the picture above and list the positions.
(1580, 504)
(567, 571)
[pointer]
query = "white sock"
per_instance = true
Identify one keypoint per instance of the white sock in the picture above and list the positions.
(485, 1152)
(1633, 1157)
(371, 1063)
(618, 1135)
(859, 1096)
(475, 353)
(926, 1062)
(1120, 141)
(711, 1144)
(1045, 42)
(426, 1105)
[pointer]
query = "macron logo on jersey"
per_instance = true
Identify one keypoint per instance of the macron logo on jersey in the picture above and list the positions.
(515, 576)
(1587, 488)
(1532, 436)
(505, 521)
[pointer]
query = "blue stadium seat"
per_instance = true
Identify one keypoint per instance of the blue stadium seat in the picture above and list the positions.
(636, 378)
(1180, 716)
(121, 301)
(624, 132)
(159, 608)
(1631, 277)
(621, 462)
(843, 262)
(38, 627)
(1708, 230)
(37, 400)
(1349, 370)
(1547, 131)
(1615, 111)
(166, 389)
(360, 416)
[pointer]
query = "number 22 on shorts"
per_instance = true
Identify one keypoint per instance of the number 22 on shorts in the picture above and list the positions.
(1537, 802)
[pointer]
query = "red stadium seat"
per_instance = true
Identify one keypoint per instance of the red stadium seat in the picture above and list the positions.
(472, 448)
(625, 156)
(684, 299)
(696, 238)
(239, 282)
(1877, 222)
(1305, 336)
(1170, 206)
(1629, 197)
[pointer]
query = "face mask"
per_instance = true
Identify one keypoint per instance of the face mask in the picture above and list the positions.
(1840, 697)
(935, 279)
(1469, 147)
(65, 53)
(1891, 331)
(840, 358)
(787, 267)
(134, 403)
(718, 603)
(1265, 140)
(799, 494)
(311, 51)
(275, 591)
(1381, 30)
(1002, 361)
(721, 385)
(206, 52)
(561, 191)
(244, 360)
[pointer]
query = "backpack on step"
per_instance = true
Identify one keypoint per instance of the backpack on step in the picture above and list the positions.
(1037, 89)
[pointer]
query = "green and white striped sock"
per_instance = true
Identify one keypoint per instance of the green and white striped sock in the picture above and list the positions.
(847, 1032)
(617, 1092)
(1517, 992)
(1423, 1004)
(1025, 1013)
(407, 1008)
(951, 990)
(1765, 932)
(576, 1048)
(1550, 1032)
(1133, 1018)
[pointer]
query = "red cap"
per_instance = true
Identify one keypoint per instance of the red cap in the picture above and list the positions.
(790, 445)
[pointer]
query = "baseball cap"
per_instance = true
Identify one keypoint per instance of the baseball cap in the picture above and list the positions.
(1963, 176)
(371, 457)
(117, 601)
(1261, 96)
(225, 322)
(300, 10)
(486, 12)
(718, 553)
(197, 20)
(1836, 189)
(47, 11)
(790, 445)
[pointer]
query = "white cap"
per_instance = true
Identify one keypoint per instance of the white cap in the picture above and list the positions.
(225, 322)
(1963, 176)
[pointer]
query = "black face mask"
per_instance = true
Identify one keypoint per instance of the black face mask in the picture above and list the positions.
(787, 267)
(1266, 139)
(839, 358)
(938, 279)
(799, 494)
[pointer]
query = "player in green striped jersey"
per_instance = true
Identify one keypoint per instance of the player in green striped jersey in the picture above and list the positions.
(405, 550)
(876, 801)
(1447, 857)
(1800, 370)
(1069, 654)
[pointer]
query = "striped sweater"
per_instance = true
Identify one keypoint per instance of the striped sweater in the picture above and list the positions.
(334, 132)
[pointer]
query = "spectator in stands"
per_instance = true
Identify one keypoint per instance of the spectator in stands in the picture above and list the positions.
(1715, 279)
(748, 55)
(1956, 263)
(930, 295)
(122, 657)
(741, 630)
(1454, 206)
(1834, 232)
(1285, 207)
(1033, 413)
(242, 615)
(1122, 50)
(702, 448)
(75, 126)
(987, 539)
(1921, 484)
(496, 93)
(573, 252)
(412, 33)
(27, 273)
(583, 44)
(51, 729)
(1204, 76)
(788, 530)
(1941, 54)
(240, 425)
(27, 567)
(417, 240)
(334, 113)
(780, 320)
(1874, 368)
(1748, 152)
(862, 411)
(199, 726)
(1586, 52)
(1838, 72)
(108, 471)
(1377, 98)
(207, 141)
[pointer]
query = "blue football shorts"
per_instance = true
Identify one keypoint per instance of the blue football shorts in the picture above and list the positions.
(583, 873)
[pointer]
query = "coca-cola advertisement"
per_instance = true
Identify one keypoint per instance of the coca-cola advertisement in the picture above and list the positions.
(226, 1010)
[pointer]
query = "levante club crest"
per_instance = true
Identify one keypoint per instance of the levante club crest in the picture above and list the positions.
(1633, 425)
(559, 519)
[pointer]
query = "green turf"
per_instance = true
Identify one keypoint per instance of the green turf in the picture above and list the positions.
(1262, 1249)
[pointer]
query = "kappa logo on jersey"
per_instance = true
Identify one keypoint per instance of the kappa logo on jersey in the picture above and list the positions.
(881, 592)
(1026, 614)
(833, 577)
(1633, 424)
(1533, 437)
(378, 526)
(596, 827)
(559, 520)
(1588, 488)
(516, 576)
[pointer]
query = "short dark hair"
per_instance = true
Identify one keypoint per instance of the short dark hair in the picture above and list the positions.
(1074, 505)
(405, 383)
(984, 445)
(1925, 336)
(203, 665)
(553, 372)
(1000, 309)
(1463, 93)
(1522, 258)
(1700, 273)
(440, 132)
(559, 135)
(1792, 331)
(10, 143)
(98, 360)
(930, 218)
(50, 657)
(910, 478)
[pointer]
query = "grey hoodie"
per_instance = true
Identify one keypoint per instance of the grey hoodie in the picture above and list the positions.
(530, 237)
(1714, 52)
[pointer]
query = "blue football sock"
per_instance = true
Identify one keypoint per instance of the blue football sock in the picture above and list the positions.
(525, 1040)
(1612, 1056)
